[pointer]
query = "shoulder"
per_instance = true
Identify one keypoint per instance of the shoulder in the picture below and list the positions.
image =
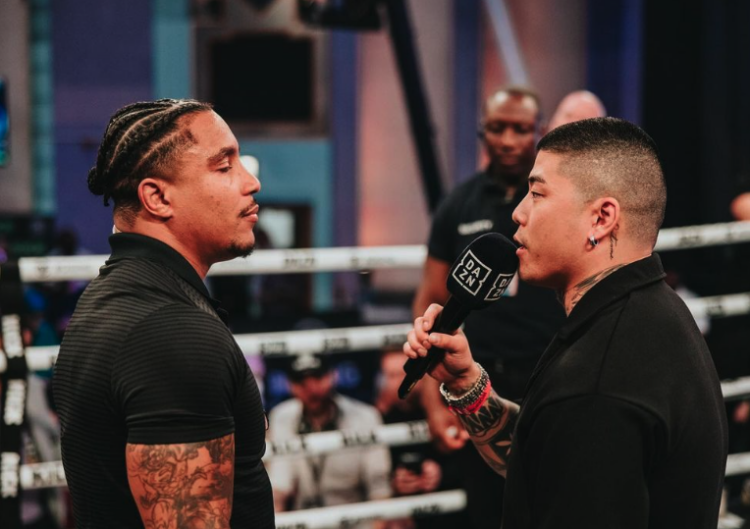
(284, 419)
(184, 323)
(465, 190)
(181, 338)
(357, 412)
(285, 411)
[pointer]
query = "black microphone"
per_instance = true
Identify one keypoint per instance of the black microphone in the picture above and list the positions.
(478, 278)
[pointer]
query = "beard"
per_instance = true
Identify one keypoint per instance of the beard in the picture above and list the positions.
(241, 250)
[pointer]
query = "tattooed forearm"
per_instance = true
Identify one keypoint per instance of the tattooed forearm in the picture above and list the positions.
(183, 485)
(584, 286)
(491, 429)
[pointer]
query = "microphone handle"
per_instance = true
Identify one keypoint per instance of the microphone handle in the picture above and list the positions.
(453, 315)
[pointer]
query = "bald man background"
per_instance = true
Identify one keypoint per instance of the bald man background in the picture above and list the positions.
(576, 106)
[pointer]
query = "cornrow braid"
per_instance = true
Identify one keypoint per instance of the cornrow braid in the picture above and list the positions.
(140, 138)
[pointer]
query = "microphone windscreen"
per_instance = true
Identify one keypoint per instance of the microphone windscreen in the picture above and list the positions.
(483, 271)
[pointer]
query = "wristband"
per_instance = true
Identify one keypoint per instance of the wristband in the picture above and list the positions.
(473, 399)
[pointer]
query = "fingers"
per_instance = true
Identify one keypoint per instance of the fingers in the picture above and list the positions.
(456, 343)
(417, 341)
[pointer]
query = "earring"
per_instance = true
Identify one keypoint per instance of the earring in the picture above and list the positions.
(593, 241)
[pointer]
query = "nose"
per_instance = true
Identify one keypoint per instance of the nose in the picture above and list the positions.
(252, 184)
(507, 138)
(519, 214)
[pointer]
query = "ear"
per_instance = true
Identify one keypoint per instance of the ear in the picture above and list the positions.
(605, 214)
(152, 192)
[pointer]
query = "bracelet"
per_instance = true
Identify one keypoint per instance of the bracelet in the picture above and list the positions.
(473, 399)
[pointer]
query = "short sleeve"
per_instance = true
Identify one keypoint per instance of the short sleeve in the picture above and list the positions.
(441, 244)
(177, 378)
(586, 461)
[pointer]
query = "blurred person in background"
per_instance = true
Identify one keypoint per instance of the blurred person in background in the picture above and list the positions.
(345, 476)
(577, 105)
(508, 337)
(417, 468)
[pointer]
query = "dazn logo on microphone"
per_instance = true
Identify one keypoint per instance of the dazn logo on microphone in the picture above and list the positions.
(471, 273)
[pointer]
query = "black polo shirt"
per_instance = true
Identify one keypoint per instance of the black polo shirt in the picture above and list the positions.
(520, 325)
(146, 359)
(623, 424)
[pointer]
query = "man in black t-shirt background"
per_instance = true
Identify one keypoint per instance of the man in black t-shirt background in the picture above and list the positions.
(161, 419)
(508, 337)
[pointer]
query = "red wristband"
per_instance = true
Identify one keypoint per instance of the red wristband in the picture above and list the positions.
(474, 406)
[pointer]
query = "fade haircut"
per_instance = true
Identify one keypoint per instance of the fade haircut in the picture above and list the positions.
(613, 157)
(142, 139)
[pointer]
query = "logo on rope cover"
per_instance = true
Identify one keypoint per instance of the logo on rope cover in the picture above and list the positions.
(12, 336)
(9, 466)
(15, 402)
(355, 438)
(471, 273)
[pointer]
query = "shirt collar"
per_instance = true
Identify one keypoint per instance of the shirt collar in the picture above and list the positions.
(613, 287)
(129, 245)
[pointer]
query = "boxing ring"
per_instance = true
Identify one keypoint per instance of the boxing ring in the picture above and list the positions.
(16, 361)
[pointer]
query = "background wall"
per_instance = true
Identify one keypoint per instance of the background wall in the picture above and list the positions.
(684, 77)
(16, 188)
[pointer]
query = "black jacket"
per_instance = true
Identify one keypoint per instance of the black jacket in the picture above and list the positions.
(623, 424)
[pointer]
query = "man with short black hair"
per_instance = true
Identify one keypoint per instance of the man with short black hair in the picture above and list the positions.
(623, 422)
(162, 422)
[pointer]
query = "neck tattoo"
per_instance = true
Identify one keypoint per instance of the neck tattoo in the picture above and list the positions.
(612, 242)
(584, 286)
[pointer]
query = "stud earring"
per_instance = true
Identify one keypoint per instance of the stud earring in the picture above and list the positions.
(593, 241)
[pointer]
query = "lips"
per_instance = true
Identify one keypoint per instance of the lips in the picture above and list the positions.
(251, 211)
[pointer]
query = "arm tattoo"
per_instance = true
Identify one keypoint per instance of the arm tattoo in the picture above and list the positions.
(586, 285)
(491, 429)
(183, 485)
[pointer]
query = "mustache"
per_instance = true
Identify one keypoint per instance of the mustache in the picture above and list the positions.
(249, 210)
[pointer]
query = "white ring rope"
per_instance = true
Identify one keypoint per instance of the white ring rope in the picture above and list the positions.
(51, 474)
(374, 337)
(313, 444)
(272, 344)
(345, 516)
(703, 235)
(738, 464)
(34, 269)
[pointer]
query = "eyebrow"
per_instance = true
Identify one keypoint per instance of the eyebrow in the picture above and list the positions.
(226, 152)
(536, 179)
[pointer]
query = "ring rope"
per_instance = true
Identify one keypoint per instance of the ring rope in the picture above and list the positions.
(374, 337)
(82, 267)
(346, 516)
(51, 474)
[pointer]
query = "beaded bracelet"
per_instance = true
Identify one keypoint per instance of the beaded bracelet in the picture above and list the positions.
(473, 399)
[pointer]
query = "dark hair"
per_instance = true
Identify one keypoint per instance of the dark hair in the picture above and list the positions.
(610, 156)
(141, 139)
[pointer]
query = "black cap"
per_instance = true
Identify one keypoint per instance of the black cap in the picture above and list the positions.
(308, 364)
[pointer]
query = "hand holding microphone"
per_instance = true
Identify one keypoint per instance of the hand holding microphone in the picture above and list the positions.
(478, 278)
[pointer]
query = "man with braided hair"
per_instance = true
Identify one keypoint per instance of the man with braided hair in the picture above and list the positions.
(162, 422)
